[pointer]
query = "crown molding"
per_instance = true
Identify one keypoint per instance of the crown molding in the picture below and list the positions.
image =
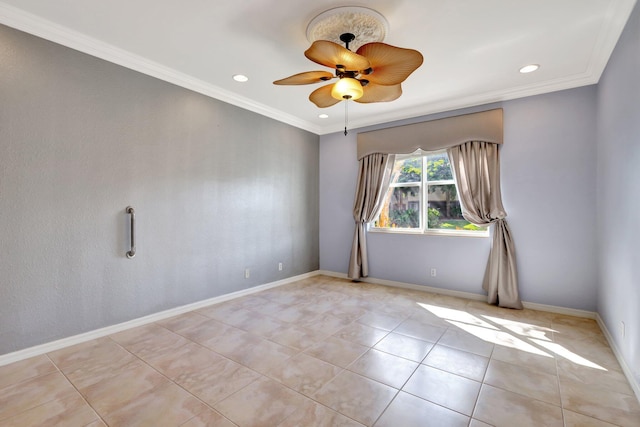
(617, 13)
(583, 79)
(32, 24)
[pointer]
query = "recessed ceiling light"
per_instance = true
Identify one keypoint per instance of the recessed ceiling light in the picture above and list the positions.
(323, 116)
(529, 68)
(240, 78)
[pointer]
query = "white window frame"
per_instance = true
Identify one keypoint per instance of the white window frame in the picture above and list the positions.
(424, 184)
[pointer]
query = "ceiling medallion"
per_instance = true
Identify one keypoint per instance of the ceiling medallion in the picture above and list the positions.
(368, 25)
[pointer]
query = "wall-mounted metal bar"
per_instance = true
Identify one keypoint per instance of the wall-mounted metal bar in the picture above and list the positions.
(132, 212)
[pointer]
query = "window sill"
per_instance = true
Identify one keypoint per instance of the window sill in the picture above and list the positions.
(447, 233)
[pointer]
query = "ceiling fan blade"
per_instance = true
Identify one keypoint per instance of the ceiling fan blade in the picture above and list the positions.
(391, 65)
(332, 55)
(380, 93)
(306, 78)
(322, 97)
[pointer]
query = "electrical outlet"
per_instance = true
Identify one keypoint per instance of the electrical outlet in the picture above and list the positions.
(433, 272)
(622, 329)
(279, 266)
(247, 273)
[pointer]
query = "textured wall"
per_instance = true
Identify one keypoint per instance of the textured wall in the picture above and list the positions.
(619, 193)
(548, 186)
(216, 189)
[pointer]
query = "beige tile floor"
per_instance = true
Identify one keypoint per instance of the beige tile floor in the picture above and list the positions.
(328, 352)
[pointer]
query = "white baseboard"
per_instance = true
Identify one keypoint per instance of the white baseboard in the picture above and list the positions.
(623, 364)
(392, 283)
(37, 350)
(98, 333)
(466, 295)
(560, 310)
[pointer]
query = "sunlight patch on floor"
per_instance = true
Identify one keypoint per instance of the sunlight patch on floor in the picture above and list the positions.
(456, 315)
(569, 355)
(498, 337)
(509, 333)
(524, 329)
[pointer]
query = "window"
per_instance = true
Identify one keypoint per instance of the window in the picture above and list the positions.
(418, 180)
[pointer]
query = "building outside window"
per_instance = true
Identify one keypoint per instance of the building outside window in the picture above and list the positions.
(423, 180)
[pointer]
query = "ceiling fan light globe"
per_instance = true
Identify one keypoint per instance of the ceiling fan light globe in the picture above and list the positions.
(347, 88)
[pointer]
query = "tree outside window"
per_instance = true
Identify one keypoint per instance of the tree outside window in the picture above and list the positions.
(421, 180)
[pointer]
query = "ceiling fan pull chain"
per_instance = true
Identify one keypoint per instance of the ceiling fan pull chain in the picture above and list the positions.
(346, 115)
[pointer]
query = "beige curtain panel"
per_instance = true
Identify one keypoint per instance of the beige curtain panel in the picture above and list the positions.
(374, 175)
(476, 166)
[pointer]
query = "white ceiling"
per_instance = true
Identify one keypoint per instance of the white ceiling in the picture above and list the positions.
(472, 49)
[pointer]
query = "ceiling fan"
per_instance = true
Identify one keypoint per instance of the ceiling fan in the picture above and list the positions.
(373, 73)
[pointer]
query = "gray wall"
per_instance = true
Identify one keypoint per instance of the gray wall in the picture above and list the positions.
(619, 193)
(548, 165)
(216, 189)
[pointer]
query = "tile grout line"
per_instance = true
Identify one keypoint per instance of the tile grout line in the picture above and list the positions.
(442, 370)
(261, 375)
(302, 351)
(170, 380)
(482, 384)
(400, 390)
(555, 359)
(78, 391)
(351, 322)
